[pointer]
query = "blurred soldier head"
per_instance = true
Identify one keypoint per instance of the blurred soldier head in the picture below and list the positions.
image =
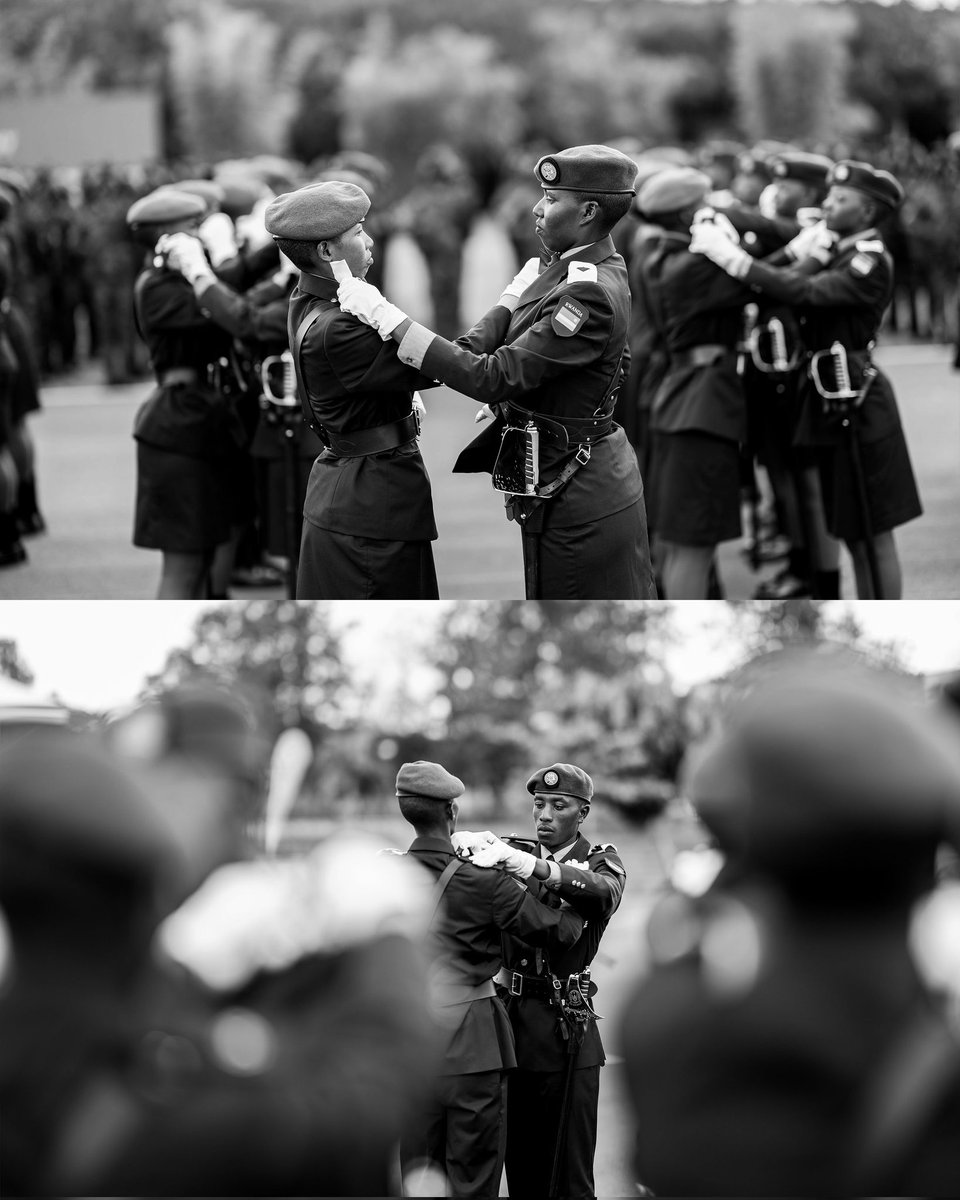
(671, 196)
(859, 196)
(427, 794)
(165, 210)
(561, 801)
(799, 181)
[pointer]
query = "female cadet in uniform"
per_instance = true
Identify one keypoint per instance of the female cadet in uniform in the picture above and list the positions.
(187, 428)
(845, 303)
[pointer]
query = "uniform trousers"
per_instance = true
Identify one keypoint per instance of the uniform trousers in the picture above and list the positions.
(464, 1131)
(533, 1119)
(606, 559)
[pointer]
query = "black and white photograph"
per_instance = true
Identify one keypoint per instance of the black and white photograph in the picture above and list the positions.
(480, 898)
(408, 299)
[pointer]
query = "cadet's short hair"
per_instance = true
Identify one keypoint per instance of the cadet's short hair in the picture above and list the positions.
(303, 255)
(422, 810)
(613, 207)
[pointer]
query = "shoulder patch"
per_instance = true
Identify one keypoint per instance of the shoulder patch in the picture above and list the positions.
(569, 317)
(581, 272)
(862, 264)
(870, 247)
(600, 846)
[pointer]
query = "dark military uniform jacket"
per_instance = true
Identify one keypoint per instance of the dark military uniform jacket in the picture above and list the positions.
(695, 307)
(479, 907)
(844, 302)
(355, 381)
(594, 890)
(558, 354)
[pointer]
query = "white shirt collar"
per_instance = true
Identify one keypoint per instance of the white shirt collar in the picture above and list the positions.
(576, 250)
(559, 855)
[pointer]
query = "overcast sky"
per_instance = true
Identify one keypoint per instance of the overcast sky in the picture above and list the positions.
(97, 653)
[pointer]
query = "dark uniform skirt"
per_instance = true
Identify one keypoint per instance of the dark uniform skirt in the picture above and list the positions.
(605, 559)
(695, 489)
(183, 504)
(891, 487)
(340, 566)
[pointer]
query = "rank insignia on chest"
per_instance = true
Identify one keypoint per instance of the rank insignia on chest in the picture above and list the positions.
(863, 264)
(569, 317)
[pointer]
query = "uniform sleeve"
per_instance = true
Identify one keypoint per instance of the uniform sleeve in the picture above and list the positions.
(516, 911)
(166, 301)
(855, 284)
(539, 354)
(595, 892)
(242, 318)
(248, 267)
(362, 361)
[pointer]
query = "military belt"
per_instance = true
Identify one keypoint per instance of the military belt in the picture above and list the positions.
(535, 987)
(361, 442)
(178, 375)
(699, 356)
(568, 431)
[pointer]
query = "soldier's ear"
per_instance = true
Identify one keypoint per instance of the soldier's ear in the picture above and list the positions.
(323, 251)
(584, 810)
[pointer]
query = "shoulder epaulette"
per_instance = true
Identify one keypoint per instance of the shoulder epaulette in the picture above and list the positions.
(602, 846)
(581, 272)
(874, 247)
(514, 838)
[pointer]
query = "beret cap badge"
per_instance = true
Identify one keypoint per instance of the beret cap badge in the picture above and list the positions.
(551, 778)
(548, 171)
(841, 172)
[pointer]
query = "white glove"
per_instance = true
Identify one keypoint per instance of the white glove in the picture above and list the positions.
(510, 296)
(719, 220)
(767, 201)
(363, 300)
(251, 231)
(808, 216)
(184, 253)
(816, 241)
(499, 854)
(217, 234)
(418, 406)
(484, 413)
(465, 842)
(714, 244)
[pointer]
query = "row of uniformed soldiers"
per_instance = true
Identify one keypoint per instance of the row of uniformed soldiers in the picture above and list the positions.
(768, 349)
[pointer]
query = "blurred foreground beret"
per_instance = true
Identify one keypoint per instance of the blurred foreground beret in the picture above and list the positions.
(562, 779)
(599, 169)
(316, 212)
(824, 763)
(428, 780)
(64, 800)
(673, 189)
(208, 190)
(877, 184)
(806, 168)
(165, 206)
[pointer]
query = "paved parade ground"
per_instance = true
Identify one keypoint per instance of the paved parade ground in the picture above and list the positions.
(86, 472)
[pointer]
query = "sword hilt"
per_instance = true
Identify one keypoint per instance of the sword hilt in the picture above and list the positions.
(531, 459)
(288, 398)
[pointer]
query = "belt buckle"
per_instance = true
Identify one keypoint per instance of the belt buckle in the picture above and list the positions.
(516, 983)
(583, 455)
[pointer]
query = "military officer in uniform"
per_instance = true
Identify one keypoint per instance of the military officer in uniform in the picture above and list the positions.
(783, 1039)
(188, 429)
(368, 517)
(464, 1129)
(841, 292)
(550, 357)
(553, 1094)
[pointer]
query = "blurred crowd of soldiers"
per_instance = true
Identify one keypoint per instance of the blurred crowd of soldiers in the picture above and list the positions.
(71, 261)
(188, 1012)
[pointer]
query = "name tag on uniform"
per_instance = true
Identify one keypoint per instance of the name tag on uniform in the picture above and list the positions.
(862, 264)
(569, 317)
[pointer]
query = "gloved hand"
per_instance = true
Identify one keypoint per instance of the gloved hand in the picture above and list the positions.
(182, 252)
(767, 201)
(719, 220)
(817, 241)
(499, 854)
(418, 406)
(251, 231)
(510, 296)
(808, 216)
(714, 244)
(363, 300)
(218, 236)
(465, 842)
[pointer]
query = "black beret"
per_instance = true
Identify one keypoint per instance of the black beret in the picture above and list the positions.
(240, 193)
(316, 212)
(208, 190)
(824, 760)
(673, 189)
(877, 184)
(428, 780)
(562, 779)
(806, 168)
(598, 169)
(165, 206)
